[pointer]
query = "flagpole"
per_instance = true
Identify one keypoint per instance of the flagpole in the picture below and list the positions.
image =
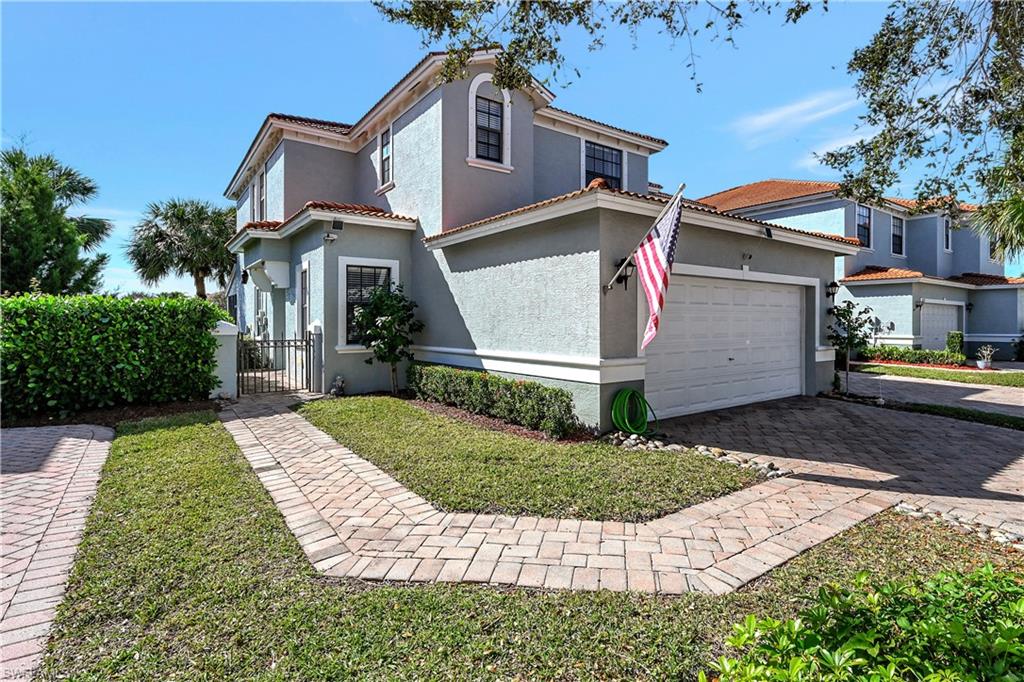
(625, 262)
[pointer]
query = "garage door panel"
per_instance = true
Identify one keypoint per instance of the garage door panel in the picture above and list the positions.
(937, 320)
(725, 343)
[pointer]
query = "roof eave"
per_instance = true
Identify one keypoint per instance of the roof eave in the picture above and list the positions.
(567, 118)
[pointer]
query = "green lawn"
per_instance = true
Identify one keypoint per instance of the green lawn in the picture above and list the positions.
(961, 376)
(186, 571)
(1006, 421)
(462, 467)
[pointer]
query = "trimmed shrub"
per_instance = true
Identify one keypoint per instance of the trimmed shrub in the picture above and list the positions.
(526, 403)
(64, 354)
(913, 355)
(955, 342)
(950, 627)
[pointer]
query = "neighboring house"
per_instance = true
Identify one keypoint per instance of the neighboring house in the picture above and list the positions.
(922, 274)
(503, 216)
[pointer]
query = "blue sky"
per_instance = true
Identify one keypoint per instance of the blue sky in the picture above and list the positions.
(161, 100)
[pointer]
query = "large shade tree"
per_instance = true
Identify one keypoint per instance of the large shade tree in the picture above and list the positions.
(943, 83)
(41, 247)
(185, 237)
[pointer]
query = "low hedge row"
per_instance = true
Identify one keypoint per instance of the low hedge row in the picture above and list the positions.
(526, 403)
(924, 357)
(64, 354)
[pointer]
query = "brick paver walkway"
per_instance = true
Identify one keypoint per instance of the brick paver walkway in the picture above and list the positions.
(970, 471)
(354, 520)
(1002, 399)
(48, 476)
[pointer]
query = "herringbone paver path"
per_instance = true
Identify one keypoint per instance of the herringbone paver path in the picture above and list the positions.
(354, 520)
(48, 476)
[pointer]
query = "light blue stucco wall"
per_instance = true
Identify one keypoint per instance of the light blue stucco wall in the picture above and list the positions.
(892, 310)
(307, 248)
(828, 217)
(637, 173)
(243, 208)
(275, 184)
(556, 163)
(996, 311)
(315, 173)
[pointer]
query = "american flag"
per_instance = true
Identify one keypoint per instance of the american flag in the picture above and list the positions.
(653, 260)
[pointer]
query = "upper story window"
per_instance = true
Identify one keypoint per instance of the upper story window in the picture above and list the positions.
(263, 196)
(897, 236)
(993, 250)
(603, 162)
(947, 234)
(864, 225)
(385, 157)
(489, 129)
(252, 202)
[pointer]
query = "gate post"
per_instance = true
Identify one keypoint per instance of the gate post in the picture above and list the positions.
(316, 358)
(227, 360)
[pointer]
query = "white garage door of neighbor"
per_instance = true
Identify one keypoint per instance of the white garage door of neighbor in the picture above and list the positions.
(724, 343)
(936, 321)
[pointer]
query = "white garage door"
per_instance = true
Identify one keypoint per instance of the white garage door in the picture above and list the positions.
(936, 321)
(724, 343)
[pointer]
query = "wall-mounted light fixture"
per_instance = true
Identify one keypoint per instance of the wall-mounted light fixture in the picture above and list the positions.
(245, 276)
(970, 307)
(329, 236)
(627, 269)
(919, 304)
(831, 289)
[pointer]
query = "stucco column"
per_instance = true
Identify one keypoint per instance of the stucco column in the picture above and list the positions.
(227, 360)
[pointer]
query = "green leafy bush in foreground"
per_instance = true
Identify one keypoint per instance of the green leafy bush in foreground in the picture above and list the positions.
(526, 403)
(913, 355)
(64, 354)
(949, 627)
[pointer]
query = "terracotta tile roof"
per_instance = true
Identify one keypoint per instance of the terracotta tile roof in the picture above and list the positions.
(656, 140)
(599, 185)
(332, 206)
(911, 204)
(878, 272)
(766, 192)
(318, 123)
(981, 280)
(262, 225)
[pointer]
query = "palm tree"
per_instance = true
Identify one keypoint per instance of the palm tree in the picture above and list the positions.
(184, 237)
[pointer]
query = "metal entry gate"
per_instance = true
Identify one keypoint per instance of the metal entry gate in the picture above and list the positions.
(270, 365)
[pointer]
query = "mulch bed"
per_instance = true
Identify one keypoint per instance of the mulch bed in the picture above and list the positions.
(968, 368)
(112, 416)
(494, 424)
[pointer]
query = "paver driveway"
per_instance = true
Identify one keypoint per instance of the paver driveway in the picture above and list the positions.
(48, 476)
(1002, 399)
(972, 471)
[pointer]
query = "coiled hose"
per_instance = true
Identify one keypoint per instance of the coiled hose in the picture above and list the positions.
(629, 412)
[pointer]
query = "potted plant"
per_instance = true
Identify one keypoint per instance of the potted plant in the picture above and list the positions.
(985, 354)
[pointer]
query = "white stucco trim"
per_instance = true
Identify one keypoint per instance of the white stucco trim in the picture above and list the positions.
(269, 274)
(824, 354)
(565, 122)
(546, 365)
(343, 262)
(992, 337)
(506, 126)
(926, 280)
(895, 340)
(308, 216)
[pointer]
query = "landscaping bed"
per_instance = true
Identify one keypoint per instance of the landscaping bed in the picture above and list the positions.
(983, 378)
(953, 412)
(112, 416)
(958, 368)
(462, 466)
(187, 571)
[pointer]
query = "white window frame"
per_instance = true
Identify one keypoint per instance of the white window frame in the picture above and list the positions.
(252, 202)
(988, 246)
(506, 128)
(304, 268)
(262, 209)
(343, 262)
(947, 235)
(903, 235)
(583, 161)
(871, 226)
(383, 187)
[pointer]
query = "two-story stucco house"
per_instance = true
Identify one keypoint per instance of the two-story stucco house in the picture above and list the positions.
(502, 216)
(922, 274)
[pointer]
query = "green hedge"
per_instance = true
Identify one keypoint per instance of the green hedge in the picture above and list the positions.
(950, 627)
(61, 354)
(924, 357)
(955, 342)
(526, 403)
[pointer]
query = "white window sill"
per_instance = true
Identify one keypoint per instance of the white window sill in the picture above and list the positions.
(385, 188)
(899, 255)
(945, 250)
(488, 165)
(351, 349)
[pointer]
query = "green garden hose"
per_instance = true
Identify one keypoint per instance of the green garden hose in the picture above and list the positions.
(629, 412)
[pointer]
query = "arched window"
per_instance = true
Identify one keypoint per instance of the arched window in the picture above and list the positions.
(490, 126)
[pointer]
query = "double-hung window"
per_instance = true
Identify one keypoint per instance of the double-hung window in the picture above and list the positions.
(864, 225)
(947, 234)
(603, 162)
(897, 236)
(360, 281)
(488, 129)
(385, 157)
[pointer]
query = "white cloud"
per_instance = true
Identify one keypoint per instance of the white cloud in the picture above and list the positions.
(810, 161)
(762, 127)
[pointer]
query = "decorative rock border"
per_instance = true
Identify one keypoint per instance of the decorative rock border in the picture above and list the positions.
(741, 459)
(984, 532)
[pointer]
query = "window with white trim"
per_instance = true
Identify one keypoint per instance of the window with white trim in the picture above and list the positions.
(252, 202)
(360, 282)
(947, 234)
(303, 301)
(263, 196)
(385, 157)
(864, 225)
(489, 127)
(603, 162)
(897, 236)
(993, 251)
(261, 326)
